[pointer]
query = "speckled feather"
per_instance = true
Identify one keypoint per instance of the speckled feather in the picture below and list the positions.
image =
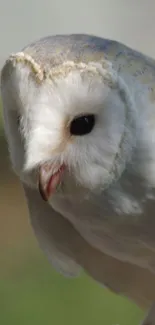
(54, 50)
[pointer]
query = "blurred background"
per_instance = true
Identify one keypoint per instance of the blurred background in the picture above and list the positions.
(31, 292)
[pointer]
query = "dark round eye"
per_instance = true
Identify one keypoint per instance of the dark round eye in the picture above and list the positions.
(82, 125)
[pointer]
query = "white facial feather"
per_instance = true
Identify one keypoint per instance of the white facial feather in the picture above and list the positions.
(47, 108)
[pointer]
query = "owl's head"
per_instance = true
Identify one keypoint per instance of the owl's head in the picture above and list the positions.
(75, 120)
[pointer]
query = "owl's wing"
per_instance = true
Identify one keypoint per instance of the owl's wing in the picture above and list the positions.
(68, 252)
(55, 235)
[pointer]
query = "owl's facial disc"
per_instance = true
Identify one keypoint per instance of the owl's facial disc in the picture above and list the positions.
(50, 174)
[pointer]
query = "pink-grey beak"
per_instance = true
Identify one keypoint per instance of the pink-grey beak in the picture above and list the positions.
(49, 178)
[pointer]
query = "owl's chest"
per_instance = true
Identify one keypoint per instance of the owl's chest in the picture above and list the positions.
(117, 228)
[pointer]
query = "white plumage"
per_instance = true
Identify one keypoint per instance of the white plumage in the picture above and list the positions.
(79, 115)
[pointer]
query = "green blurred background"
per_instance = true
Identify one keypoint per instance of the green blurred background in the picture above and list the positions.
(31, 292)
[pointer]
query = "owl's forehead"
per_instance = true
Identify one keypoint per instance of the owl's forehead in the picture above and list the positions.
(54, 50)
(41, 72)
(67, 96)
(68, 89)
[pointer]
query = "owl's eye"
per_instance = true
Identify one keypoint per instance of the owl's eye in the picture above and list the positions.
(82, 125)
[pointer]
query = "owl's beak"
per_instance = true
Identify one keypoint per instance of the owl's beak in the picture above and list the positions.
(49, 178)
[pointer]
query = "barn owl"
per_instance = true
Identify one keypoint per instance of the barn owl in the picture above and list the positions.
(79, 118)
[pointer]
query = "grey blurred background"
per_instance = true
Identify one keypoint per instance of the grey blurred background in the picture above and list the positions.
(31, 292)
(132, 22)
